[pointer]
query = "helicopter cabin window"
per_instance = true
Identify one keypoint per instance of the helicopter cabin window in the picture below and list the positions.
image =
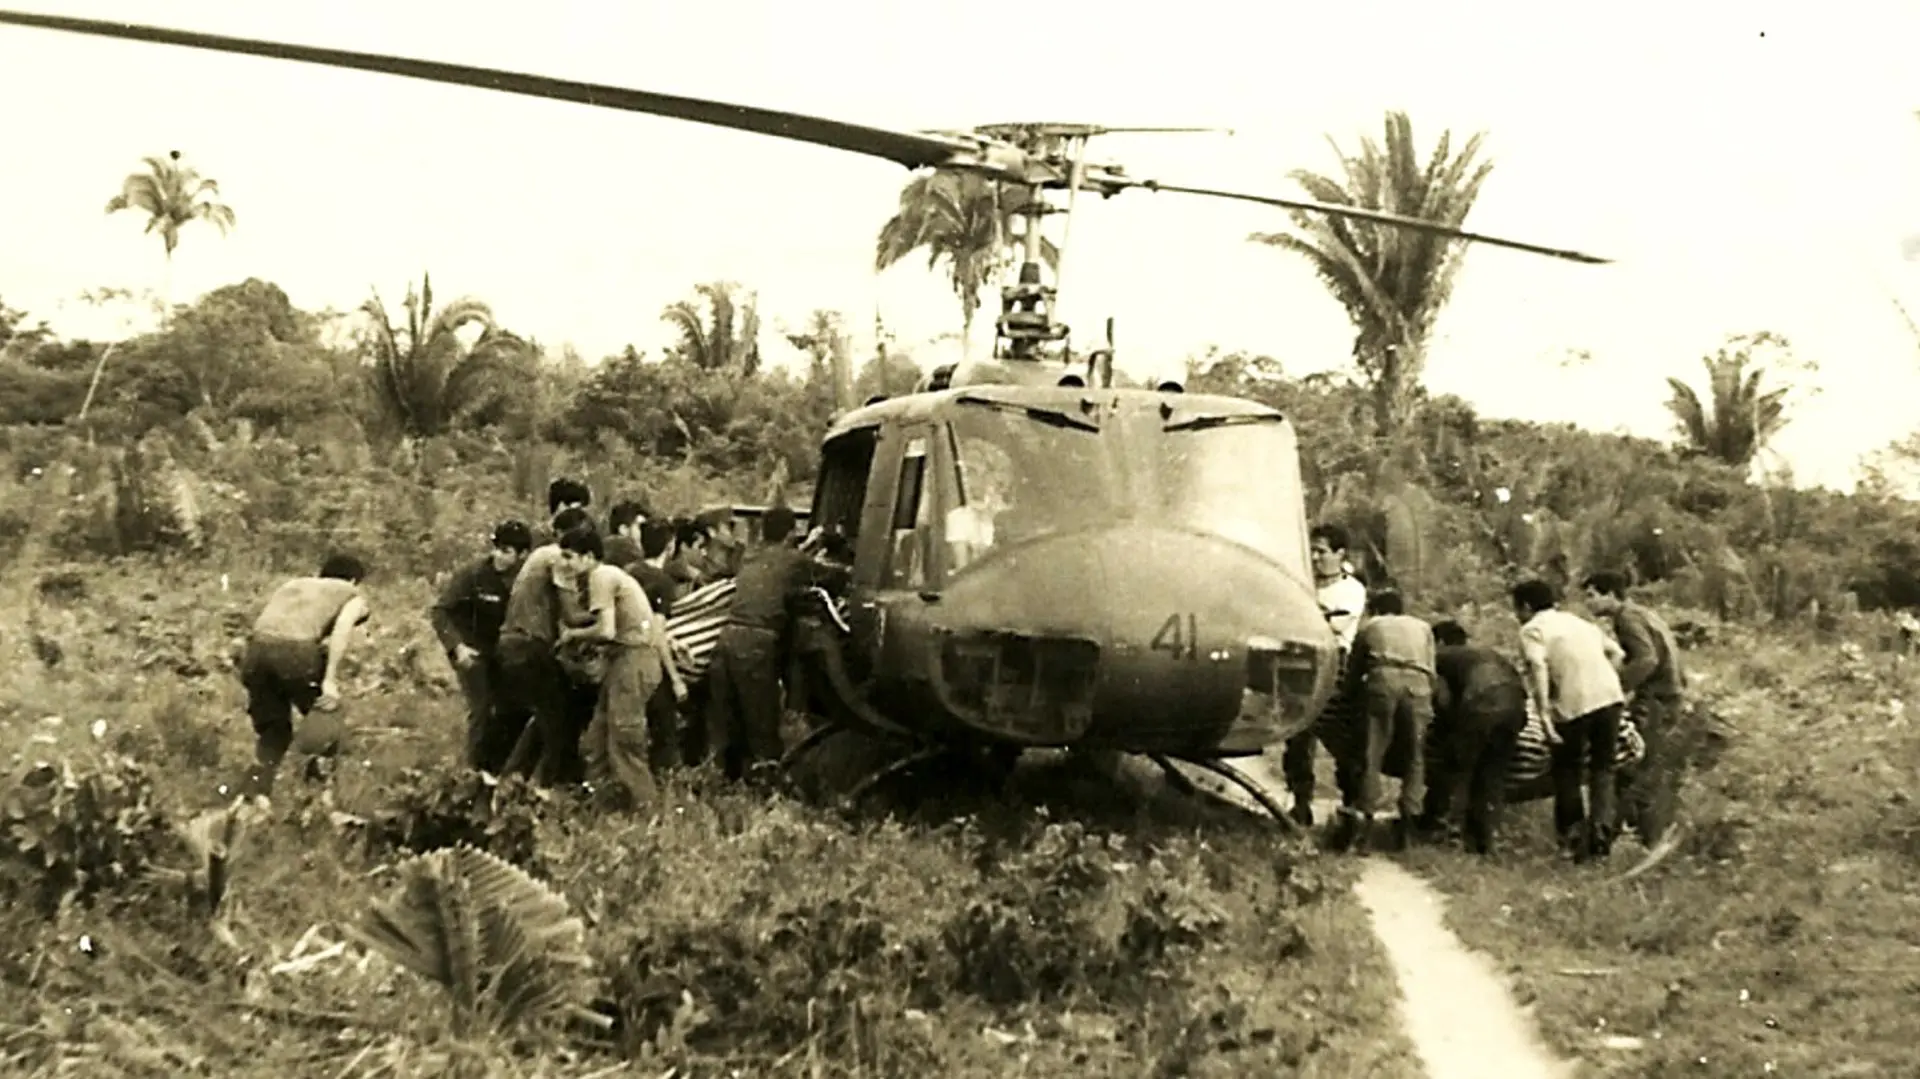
(845, 467)
(1023, 474)
(912, 522)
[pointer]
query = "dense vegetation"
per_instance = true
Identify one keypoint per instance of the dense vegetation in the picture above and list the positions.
(242, 417)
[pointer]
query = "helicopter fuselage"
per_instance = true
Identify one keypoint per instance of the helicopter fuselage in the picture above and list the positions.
(1064, 566)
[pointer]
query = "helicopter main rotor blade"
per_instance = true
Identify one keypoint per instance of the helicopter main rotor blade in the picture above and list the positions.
(913, 150)
(1377, 216)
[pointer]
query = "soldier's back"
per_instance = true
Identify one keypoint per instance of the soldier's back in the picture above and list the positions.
(303, 609)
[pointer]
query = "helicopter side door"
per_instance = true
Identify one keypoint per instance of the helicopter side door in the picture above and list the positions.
(901, 563)
(851, 498)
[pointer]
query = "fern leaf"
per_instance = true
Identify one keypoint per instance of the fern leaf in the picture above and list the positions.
(503, 944)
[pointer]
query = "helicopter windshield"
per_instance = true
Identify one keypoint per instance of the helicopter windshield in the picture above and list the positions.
(1021, 477)
(1236, 476)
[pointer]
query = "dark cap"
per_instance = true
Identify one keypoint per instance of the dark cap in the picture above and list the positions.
(513, 535)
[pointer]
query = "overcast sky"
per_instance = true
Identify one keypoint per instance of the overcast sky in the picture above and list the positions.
(1751, 165)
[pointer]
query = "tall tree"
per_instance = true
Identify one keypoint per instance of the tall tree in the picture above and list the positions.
(425, 379)
(1393, 282)
(966, 221)
(1738, 417)
(725, 335)
(830, 349)
(172, 195)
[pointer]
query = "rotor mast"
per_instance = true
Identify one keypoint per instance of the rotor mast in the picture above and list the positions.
(1028, 328)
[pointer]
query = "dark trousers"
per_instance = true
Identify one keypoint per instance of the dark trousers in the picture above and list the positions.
(745, 703)
(1398, 707)
(1649, 793)
(664, 749)
(281, 678)
(1297, 758)
(492, 728)
(534, 684)
(1584, 758)
(1473, 746)
(1296, 765)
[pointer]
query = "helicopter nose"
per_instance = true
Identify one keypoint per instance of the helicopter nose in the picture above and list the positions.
(1212, 645)
(1153, 639)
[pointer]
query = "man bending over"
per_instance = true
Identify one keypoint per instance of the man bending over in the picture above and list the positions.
(292, 660)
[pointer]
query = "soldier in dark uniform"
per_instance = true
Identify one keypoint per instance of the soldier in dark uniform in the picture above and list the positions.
(467, 620)
(537, 686)
(1480, 710)
(745, 703)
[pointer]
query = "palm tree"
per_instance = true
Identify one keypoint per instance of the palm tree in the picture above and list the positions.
(424, 378)
(172, 195)
(826, 343)
(1739, 418)
(1393, 282)
(726, 336)
(964, 220)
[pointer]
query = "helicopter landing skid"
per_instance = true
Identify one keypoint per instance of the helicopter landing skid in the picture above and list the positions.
(1231, 774)
(911, 760)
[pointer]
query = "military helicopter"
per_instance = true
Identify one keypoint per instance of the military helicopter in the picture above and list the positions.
(1039, 557)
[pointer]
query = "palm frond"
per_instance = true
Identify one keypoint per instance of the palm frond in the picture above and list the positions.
(503, 945)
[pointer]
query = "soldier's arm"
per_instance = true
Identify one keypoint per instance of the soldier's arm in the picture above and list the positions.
(1642, 654)
(1533, 650)
(450, 611)
(1442, 696)
(569, 604)
(600, 603)
(351, 615)
(1358, 659)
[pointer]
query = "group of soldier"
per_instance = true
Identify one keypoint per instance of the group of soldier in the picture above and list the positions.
(561, 647)
(1424, 694)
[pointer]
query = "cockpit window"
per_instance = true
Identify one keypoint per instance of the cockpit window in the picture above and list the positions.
(1236, 477)
(1021, 477)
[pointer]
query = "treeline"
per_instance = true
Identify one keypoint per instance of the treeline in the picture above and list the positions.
(247, 428)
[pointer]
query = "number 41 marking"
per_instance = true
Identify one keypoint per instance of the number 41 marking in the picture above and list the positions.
(1179, 636)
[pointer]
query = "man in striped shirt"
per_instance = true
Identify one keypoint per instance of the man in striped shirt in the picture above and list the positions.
(1653, 679)
(1571, 681)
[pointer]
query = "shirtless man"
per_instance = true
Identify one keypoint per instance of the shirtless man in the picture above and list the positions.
(292, 660)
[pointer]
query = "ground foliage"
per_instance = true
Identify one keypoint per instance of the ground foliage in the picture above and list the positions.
(1779, 940)
(1076, 928)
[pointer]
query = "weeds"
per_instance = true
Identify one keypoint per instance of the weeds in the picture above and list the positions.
(1055, 934)
(1778, 940)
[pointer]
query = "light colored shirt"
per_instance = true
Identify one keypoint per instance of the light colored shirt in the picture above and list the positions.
(1578, 658)
(1397, 640)
(1347, 594)
(304, 609)
(615, 588)
(531, 604)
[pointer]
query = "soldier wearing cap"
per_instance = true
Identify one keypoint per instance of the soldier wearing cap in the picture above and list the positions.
(467, 619)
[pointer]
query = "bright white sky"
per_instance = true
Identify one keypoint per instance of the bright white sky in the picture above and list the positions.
(1751, 165)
